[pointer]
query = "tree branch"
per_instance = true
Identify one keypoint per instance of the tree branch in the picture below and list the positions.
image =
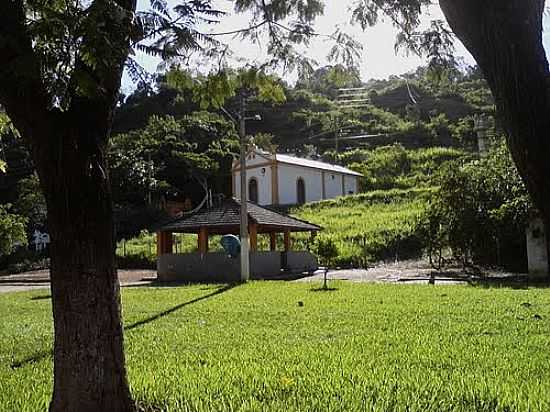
(22, 91)
(105, 46)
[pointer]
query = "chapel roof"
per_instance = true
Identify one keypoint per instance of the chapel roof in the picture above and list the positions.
(315, 164)
(300, 161)
(224, 218)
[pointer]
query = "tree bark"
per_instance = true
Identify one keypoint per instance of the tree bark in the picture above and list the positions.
(69, 153)
(505, 38)
(89, 371)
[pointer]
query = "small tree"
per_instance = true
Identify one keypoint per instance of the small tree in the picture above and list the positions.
(327, 252)
(12, 230)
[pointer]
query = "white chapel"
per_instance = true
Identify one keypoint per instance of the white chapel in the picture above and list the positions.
(279, 179)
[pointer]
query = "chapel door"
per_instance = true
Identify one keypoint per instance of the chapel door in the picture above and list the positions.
(253, 190)
(300, 191)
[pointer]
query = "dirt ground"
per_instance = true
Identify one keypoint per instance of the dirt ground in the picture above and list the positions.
(399, 273)
(40, 279)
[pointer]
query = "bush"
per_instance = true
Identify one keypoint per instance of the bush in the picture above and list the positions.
(369, 227)
(479, 212)
(24, 260)
(12, 230)
(137, 261)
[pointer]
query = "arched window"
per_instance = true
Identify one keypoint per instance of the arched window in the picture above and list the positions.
(300, 191)
(253, 190)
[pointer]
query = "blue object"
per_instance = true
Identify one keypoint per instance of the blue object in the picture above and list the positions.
(232, 245)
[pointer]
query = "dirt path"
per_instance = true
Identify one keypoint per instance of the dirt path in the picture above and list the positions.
(413, 271)
(399, 273)
(40, 279)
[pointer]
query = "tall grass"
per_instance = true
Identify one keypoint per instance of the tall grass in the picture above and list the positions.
(370, 227)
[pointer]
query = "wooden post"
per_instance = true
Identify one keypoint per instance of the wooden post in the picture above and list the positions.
(287, 240)
(203, 240)
(169, 242)
(274, 182)
(253, 229)
(273, 241)
(164, 243)
(159, 243)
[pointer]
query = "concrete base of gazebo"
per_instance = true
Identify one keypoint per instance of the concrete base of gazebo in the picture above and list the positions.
(218, 267)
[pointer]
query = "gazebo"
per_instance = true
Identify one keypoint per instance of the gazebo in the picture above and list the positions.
(223, 219)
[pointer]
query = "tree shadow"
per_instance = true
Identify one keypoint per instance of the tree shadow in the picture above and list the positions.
(41, 297)
(38, 356)
(286, 276)
(218, 291)
(520, 284)
(24, 281)
(322, 289)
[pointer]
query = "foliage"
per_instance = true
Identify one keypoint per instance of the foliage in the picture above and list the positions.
(12, 230)
(132, 219)
(328, 79)
(388, 167)
(375, 347)
(383, 166)
(326, 250)
(369, 227)
(25, 260)
(5, 128)
(263, 141)
(308, 115)
(480, 211)
(436, 41)
(163, 157)
(31, 203)
(213, 90)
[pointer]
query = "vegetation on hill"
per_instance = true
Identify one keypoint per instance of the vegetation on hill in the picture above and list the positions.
(415, 125)
(367, 228)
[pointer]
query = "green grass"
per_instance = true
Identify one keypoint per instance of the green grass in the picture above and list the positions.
(361, 347)
(372, 226)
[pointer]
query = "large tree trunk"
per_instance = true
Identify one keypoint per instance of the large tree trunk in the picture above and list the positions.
(89, 367)
(505, 38)
(69, 152)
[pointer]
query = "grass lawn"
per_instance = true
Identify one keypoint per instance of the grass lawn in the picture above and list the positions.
(362, 347)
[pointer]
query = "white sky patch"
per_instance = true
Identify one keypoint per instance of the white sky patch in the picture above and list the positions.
(379, 59)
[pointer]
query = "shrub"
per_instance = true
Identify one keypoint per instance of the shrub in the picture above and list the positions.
(480, 212)
(12, 230)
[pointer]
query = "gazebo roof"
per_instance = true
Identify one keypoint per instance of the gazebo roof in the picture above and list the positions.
(225, 219)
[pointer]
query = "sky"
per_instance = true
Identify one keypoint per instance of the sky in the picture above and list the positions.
(379, 59)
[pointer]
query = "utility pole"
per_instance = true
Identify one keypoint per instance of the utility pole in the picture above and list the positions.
(245, 262)
(349, 98)
(337, 136)
(149, 179)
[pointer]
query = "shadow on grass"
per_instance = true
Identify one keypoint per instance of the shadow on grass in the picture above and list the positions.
(41, 297)
(38, 356)
(286, 276)
(521, 284)
(322, 289)
(218, 291)
(25, 281)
